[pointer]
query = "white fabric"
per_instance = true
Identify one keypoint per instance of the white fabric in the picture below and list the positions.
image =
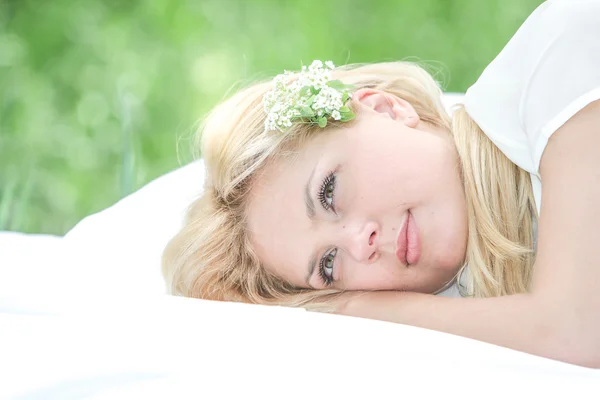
(27, 264)
(116, 251)
(548, 71)
(120, 248)
(175, 348)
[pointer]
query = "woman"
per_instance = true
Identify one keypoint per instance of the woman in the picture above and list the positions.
(371, 215)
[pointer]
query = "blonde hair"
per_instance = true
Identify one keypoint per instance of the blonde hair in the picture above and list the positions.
(211, 257)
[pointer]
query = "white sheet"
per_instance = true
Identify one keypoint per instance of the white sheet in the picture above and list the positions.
(122, 348)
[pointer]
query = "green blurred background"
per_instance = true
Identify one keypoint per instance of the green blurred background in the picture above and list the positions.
(99, 97)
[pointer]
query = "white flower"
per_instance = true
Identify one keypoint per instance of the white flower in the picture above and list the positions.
(308, 98)
(316, 65)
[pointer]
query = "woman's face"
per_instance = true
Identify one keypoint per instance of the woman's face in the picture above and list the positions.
(378, 205)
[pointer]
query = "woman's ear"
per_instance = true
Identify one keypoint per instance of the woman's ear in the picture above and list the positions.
(386, 103)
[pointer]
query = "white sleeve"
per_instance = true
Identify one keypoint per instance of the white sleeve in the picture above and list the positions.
(567, 77)
(547, 72)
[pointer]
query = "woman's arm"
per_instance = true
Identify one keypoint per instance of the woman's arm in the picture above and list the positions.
(560, 318)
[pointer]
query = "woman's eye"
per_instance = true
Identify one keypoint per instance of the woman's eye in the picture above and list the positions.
(326, 268)
(327, 191)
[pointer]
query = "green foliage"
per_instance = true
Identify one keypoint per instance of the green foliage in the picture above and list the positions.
(96, 96)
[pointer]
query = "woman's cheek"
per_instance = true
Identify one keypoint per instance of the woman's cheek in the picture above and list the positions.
(368, 278)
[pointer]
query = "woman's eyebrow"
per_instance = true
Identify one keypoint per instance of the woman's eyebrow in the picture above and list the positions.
(311, 211)
(312, 263)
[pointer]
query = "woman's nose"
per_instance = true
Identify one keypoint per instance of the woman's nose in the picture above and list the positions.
(361, 243)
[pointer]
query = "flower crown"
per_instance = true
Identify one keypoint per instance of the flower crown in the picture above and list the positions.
(312, 98)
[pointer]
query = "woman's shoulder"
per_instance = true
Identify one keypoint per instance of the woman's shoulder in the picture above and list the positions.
(548, 71)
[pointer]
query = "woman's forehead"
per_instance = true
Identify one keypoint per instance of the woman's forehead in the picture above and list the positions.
(278, 187)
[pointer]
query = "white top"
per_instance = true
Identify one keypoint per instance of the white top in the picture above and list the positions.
(547, 72)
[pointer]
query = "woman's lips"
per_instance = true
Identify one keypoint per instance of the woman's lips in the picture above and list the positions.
(408, 245)
(413, 251)
(402, 241)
